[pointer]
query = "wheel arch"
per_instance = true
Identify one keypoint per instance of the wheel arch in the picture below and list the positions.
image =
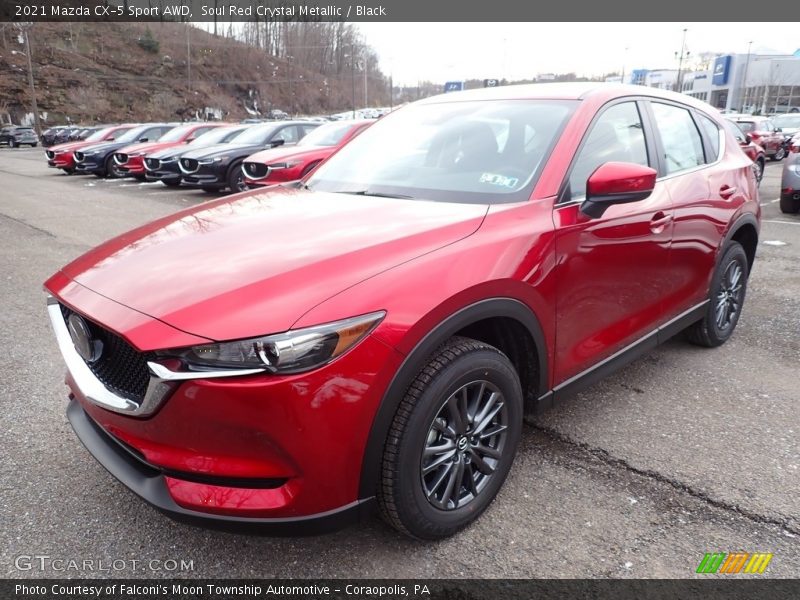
(475, 319)
(745, 231)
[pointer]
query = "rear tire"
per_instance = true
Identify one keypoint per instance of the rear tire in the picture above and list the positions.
(12, 143)
(789, 206)
(758, 169)
(34, 145)
(726, 298)
(779, 155)
(452, 441)
(68, 171)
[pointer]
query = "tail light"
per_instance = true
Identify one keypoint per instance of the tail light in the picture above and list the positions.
(795, 147)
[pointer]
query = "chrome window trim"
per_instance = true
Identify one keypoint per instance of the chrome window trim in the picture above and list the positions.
(162, 383)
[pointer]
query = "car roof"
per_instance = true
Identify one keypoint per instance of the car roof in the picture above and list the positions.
(565, 91)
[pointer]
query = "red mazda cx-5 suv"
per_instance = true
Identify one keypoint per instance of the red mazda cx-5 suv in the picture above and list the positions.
(374, 333)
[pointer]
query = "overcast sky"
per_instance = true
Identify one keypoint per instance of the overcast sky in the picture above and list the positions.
(452, 51)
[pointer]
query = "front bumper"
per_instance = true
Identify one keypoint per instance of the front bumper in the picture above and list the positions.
(134, 166)
(164, 173)
(153, 485)
(261, 448)
(89, 166)
(206, 175)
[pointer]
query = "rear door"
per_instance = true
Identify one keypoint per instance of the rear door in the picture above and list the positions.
(705, 197)
(613, 270)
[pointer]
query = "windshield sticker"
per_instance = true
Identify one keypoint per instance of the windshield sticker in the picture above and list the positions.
(495, 179)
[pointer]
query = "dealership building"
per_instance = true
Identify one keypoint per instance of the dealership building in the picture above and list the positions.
(754, 83)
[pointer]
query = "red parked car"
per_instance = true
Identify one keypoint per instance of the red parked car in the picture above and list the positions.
(282, 164)
(373, 335)
(60, 156)
(764, 133)
(129, 161)
(753, 151)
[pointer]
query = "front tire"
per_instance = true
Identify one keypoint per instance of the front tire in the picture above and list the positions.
(726, 298)
(171, 182)
(779, 155)
(452, 441)
(236, 178)
(758, 170)
(12, 143)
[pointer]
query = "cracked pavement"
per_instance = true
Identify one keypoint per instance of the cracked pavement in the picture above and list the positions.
(685, 451)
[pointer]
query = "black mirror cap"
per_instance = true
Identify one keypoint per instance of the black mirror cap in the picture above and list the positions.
(596, 207)
(276, 143)
(747, 138)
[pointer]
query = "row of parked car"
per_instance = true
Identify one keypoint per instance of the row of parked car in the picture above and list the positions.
(211, 156)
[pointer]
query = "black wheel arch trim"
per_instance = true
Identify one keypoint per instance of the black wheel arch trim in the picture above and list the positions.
(416, 359)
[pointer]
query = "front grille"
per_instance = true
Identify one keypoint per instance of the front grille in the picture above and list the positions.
(121, 368)
(151, 164)
(120, 159)
(50, 153)
(256, 170)
(189, 165)
(78, 156)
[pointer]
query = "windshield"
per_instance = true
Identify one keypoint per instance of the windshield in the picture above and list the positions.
(177, 134)
(478, 151)
(132, 134)
(216, 136)
(790, 121)
(746, 126)
(99, 134)
(255, 135)
(329, 134)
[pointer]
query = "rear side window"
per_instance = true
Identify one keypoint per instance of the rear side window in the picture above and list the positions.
(681, 141)
(712, 133)
(616, 136)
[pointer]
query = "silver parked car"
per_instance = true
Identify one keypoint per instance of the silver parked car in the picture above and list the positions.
(790, 181)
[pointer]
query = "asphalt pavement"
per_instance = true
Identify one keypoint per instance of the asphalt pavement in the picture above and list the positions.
(686, 451)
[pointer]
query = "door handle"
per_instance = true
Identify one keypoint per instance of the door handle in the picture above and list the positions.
(659, 221)
(726, 191)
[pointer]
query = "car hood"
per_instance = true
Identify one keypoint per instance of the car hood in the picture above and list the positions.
(103, 147)
(253, 265)
(223, 150)
(179, 150)
(147, 147)
(281, 154)
(71, 146)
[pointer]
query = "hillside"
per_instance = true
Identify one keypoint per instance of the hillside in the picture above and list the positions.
(99, 72)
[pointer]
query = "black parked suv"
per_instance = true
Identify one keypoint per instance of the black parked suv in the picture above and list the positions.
(218, 167)
(162, 165)
(98, 159)
(18, 136)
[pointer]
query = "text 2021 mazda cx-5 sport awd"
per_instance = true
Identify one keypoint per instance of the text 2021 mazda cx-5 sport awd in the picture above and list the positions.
(373, 334)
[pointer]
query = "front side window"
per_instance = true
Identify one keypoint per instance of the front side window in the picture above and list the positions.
(616, 136)
(680, 139)
(484, 152)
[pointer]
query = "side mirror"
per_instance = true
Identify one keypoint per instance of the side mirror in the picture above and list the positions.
(778, 129)
(189, 140)
(617, 183)
(143, 139)
(276, 143)
(747, 138)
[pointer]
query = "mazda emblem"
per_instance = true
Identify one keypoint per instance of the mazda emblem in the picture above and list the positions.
(87, 348)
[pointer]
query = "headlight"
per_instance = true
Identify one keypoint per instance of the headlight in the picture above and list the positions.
(291, 352)
(208, 161)
(169, 159)
(284, 165)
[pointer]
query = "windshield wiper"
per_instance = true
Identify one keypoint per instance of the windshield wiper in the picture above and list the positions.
(376, 194)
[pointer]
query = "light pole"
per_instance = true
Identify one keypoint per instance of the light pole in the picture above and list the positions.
(744, 78)
(291, 85)
(352, 58)
(683, 54)
(23, 28)
(624, 60)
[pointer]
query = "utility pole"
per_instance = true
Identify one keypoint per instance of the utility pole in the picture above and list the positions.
(24, 27)
(683, 54)
(624, 60)
(744, 78)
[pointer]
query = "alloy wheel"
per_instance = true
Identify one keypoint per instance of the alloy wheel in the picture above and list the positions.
(729, 296)
(464, 445)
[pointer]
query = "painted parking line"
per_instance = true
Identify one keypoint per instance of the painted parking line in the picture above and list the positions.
(781, 222)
